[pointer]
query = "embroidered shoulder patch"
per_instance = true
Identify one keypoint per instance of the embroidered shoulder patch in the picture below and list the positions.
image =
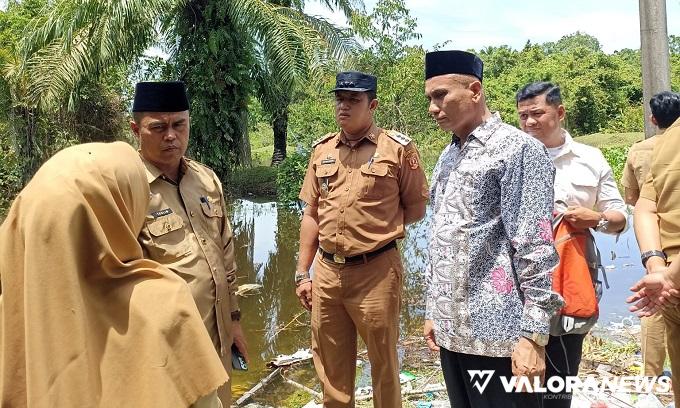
(398, 137)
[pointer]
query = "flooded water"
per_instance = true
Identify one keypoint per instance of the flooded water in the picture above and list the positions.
(266, 238)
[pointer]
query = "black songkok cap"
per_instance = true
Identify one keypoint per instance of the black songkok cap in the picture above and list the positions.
(453, 62)
(160, 97)
(355, 81)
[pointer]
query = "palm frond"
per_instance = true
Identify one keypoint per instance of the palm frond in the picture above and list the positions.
(79, 39)
(348, 7)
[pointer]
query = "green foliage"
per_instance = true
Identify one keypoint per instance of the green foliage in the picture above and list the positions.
(259, 181)
(312, 114)
(217, 74)
(616, 157)
(608, 140)
(10, 171)
(600, 91)
(291, 173)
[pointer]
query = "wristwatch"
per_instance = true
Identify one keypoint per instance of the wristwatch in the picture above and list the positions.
(538, 338)
(300, 276)
(602, 224)
(644, 257)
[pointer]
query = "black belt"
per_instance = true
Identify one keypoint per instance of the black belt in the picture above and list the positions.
(356, 259)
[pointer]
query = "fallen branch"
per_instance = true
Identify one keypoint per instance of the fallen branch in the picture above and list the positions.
(295, 319)
(263, 383)
(299, 386)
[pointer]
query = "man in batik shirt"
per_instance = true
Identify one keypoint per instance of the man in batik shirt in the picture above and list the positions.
(489, 297)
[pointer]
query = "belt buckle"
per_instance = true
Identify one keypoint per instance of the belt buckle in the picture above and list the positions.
(340, 259)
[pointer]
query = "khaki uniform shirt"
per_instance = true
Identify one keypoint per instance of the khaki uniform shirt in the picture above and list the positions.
(187, 231)
(637, 163)
(662, 186)
(361, 191)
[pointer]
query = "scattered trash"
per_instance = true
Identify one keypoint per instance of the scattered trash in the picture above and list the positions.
(433, 404)
(248, 289)
(648, 401)
(405, 377)
(284, 360)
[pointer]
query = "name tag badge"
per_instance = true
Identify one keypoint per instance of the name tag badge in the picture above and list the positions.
(161, 213)
(329, 160)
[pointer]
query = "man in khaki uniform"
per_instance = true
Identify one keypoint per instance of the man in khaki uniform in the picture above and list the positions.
(657, 222)
(665, 107)
(363, 185)
(186, 229)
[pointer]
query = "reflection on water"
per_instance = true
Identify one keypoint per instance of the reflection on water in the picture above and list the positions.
(266, 238)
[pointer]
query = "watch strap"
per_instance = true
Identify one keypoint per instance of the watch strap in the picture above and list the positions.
(644, 257)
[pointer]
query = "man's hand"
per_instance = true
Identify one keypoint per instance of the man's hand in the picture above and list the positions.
(304, 294)
(428, 334)
(581, 217)
(528, 360)
(653, 292)
(239, 339)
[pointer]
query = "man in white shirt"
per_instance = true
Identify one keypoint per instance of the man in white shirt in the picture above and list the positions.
(587, 197)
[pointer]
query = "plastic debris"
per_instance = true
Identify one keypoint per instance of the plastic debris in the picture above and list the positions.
(283, 360)
(405, 377)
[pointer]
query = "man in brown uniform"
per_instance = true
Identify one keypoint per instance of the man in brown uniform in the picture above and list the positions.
(363, 184)
(186, 229)
(665, 107)
(657, 222)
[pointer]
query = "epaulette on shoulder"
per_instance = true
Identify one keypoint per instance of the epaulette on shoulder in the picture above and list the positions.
(398, 137)
(323, 139)
(196, 165)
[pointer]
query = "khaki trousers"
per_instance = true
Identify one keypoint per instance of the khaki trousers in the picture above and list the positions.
(653, 336)
(208, 401)
(364, 298)
(224, 391)
(672, 319)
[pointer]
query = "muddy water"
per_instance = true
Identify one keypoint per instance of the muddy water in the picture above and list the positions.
(266, 238)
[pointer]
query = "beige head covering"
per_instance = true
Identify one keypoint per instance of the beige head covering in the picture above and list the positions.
(84, 320)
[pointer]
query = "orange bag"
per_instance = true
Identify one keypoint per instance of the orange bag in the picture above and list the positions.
(572, 278)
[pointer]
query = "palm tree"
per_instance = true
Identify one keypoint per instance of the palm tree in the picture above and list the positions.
(76, 40)
(275, 91)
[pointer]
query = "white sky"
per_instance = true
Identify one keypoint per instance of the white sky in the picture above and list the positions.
(481, 23)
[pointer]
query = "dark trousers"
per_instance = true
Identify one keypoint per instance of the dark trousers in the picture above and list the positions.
(562, 359)
(463, 394)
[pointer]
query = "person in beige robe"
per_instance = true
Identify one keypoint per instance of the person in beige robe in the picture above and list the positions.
(85, 321)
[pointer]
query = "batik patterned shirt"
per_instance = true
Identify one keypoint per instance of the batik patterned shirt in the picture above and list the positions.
(491, 252)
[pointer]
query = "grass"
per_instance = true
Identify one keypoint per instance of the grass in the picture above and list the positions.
(610, 140)
(259, 181)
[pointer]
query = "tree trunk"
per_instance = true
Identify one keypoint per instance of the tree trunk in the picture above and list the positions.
(212, 58)
(280, 127)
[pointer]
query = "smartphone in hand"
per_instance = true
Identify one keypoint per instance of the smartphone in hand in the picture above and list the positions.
(238, 362)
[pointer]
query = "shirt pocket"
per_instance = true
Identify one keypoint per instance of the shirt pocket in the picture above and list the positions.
(213, 216)
(327, 176)
(584, 186)
(376, 181)
(212, 207)
(168, 237)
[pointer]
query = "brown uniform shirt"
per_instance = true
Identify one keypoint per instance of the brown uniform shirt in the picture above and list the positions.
(637, 164)
(361, 191)
(187, 231)
(663, 187)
